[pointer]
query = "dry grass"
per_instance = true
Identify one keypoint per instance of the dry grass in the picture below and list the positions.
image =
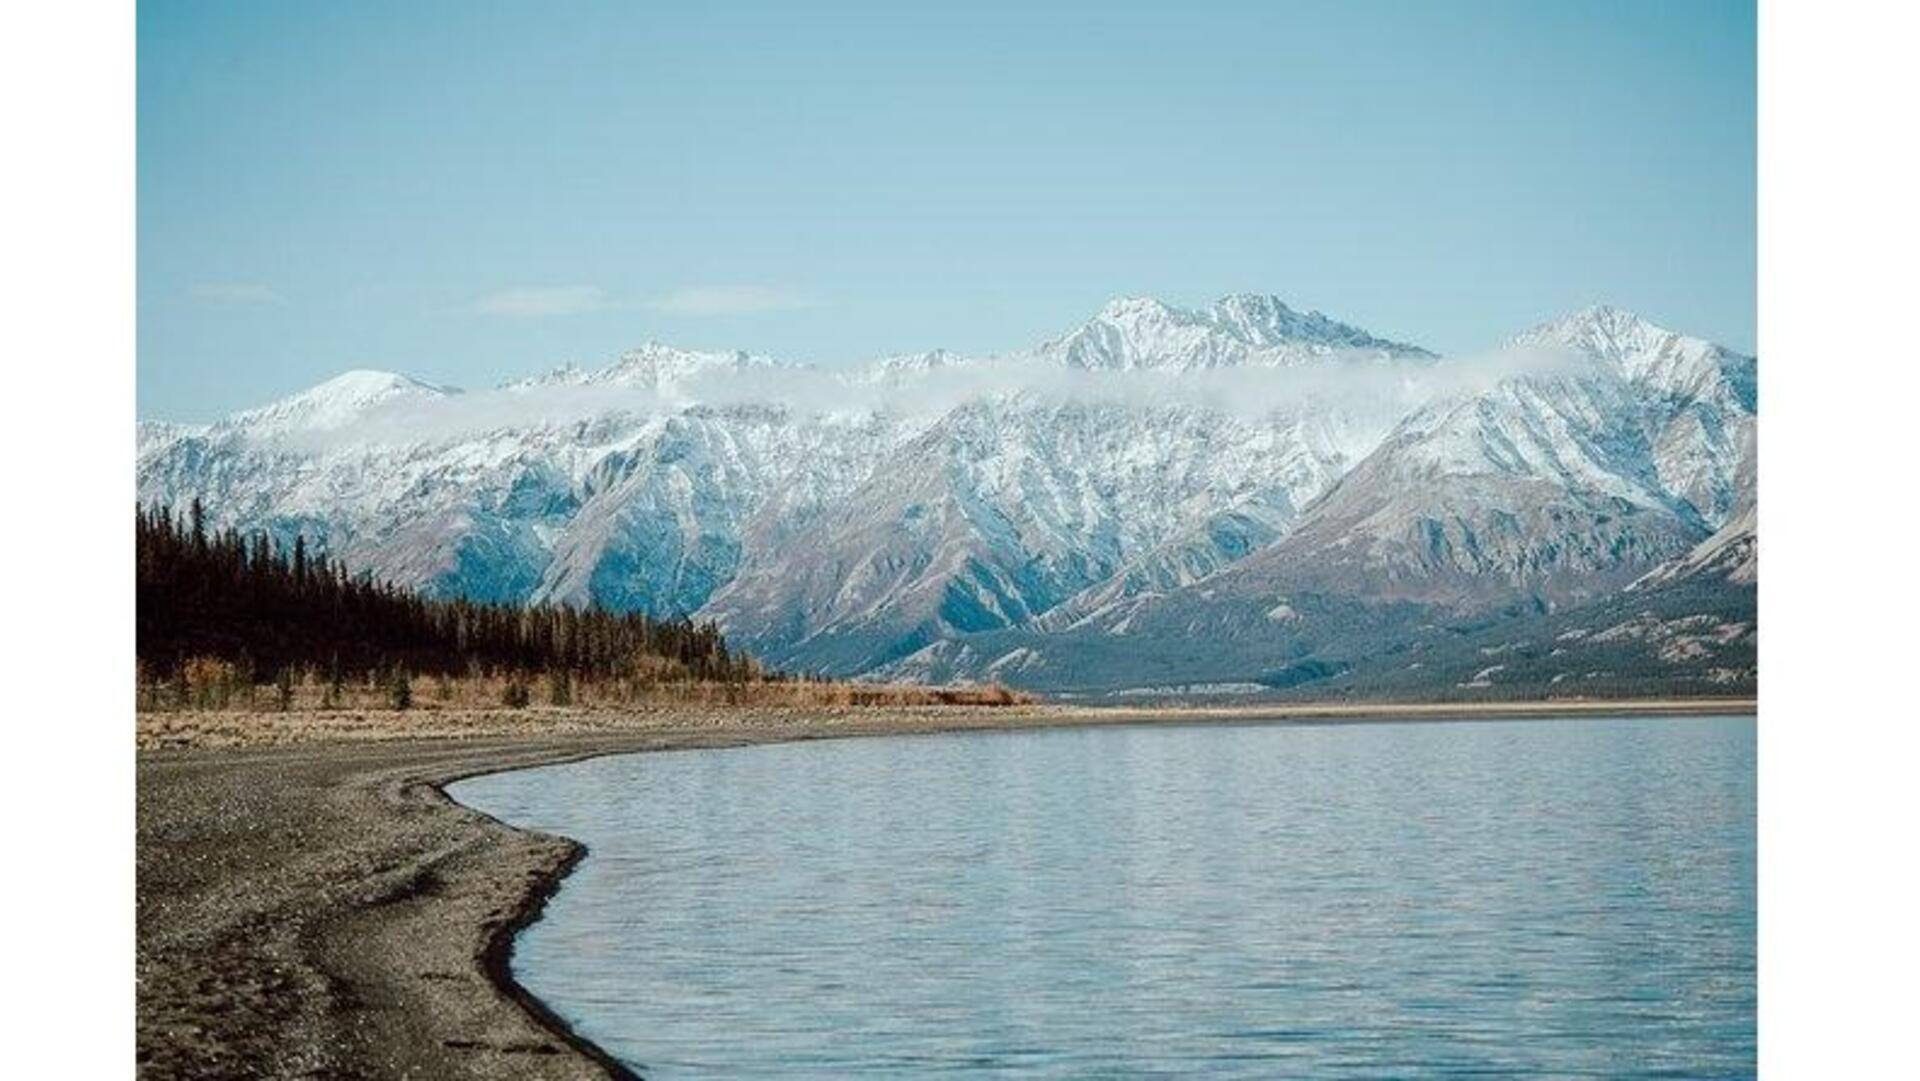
(206, 729)
(216, 686)
(233, 715)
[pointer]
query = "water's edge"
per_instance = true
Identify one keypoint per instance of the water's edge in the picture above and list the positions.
(496, 954)
(495, 959)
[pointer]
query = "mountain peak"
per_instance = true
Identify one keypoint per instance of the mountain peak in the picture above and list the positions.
(1252, 303)
(364, 382)
(1240, 328)
(1648, 354)
(333, 403)
(839, 525)
(1605, 318)
(1607, 331)
(1134, 307)
(655, 363)
(1268, 322)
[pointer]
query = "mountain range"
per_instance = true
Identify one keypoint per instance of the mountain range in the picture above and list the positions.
(1240, 499)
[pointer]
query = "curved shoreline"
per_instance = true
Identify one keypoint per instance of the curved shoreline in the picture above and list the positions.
(329, 910)
(496, 956)
(320, 905)
(496, 960)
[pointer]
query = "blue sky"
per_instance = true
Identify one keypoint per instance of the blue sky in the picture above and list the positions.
(469, 192)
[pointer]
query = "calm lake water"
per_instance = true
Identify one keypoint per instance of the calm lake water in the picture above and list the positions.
(1551, 898)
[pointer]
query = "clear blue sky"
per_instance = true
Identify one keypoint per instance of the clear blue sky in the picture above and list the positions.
(467, 192)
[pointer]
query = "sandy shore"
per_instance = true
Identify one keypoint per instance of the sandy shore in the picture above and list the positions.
(310, 903)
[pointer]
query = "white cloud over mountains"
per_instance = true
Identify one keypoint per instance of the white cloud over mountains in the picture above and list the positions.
(1362, 386)
(536, 302)
(710, 300)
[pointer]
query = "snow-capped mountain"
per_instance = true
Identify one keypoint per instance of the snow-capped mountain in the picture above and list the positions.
(1097, 508)
(1557, 485)
(1000, 511)
(1142, 333)
(333, 404)
(1732, 553)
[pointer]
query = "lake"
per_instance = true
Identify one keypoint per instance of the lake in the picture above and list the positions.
(1520, 898)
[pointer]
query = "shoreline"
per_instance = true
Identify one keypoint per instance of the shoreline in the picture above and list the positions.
(195, 730)
(310, 899)
(497, 962)
(496, 954)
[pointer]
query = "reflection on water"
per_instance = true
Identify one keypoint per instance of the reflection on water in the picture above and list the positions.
(1526, 898)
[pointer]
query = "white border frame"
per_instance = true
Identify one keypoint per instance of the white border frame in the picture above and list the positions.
(1838, 291)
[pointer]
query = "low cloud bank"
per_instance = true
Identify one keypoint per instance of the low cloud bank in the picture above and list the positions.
(1366, 388)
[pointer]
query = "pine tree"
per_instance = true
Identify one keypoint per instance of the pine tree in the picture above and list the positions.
(242, 679)
(399, 689)
(259, 607)
(515, 696)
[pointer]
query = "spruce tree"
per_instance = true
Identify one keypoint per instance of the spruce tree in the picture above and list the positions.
(336, 685)
(240, 601)
(516, 696)
(399, 688)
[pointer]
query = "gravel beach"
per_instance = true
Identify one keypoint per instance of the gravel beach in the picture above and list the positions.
(311, 904)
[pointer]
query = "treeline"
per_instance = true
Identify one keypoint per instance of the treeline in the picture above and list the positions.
(271, 613)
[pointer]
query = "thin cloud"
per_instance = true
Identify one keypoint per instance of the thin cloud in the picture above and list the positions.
(705, 300)
(538, 302)
(233, 294)
(1370, 393)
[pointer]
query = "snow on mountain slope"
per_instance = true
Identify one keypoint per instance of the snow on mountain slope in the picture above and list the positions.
(656, 366)
(1142, 333)
(1700, 399)
(636, 510)
(906, 369)
(1000, 511)
(1732, 554)
(333, 404)
(1550, 487)
(662, 525)
(1016, 502)
(154, 436)
(1553, 487)
(1656, 360)
(1221, 539)
(1156, 479)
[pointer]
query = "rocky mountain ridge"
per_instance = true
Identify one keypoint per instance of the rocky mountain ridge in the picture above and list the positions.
(1241, 495)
